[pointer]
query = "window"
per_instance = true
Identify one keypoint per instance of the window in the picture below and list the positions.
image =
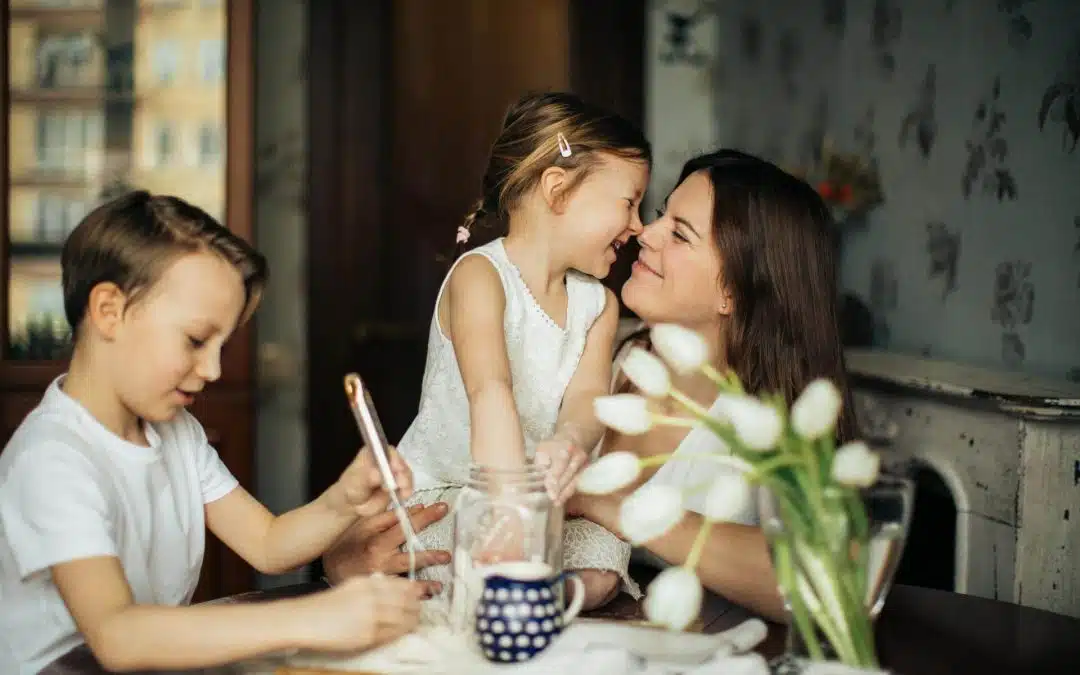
(65, 61)
(98, 101)
(65, 139)
(212, 61)
(209, 145)
(164, 140)
(55, 217)
(166, 62)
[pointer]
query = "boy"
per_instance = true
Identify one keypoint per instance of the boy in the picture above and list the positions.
(106, 488)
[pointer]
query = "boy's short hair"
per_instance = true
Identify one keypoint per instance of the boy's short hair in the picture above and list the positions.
(132, 240)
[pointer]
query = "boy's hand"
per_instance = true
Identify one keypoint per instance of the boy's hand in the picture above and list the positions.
(563, 460)
(361, 612)
(360, 491)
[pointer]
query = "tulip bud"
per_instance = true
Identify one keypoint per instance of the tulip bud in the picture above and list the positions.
(855, 465)
(727, 498)
(650, 511)
(684, 350)
(626, 413)
(815, 412)
(647, 372)
(611, 472)
(674, 598)
(757, 425)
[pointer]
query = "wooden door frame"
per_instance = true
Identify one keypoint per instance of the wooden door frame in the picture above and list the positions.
(350, 68)
(349, 65)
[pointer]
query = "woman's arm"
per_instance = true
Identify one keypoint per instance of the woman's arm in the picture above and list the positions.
(475, 307)
(374, 545)
(735, 562)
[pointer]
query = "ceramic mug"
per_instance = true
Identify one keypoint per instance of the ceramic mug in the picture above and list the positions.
(518, 614)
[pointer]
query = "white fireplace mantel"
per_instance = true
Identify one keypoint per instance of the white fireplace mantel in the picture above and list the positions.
(1008, 447)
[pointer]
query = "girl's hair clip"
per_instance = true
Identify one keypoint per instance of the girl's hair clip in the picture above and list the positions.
(564, 145)
(462, 234)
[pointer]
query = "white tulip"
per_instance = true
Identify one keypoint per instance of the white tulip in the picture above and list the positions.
(674, 598)
(611, 472)
(756, 424)
(815, 412)
(855, 465)
(683, 349)
(651, 511)
(625, 413)
(727, 498)
(647, 372)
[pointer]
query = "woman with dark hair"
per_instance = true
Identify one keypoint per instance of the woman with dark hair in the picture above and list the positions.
(742, 254)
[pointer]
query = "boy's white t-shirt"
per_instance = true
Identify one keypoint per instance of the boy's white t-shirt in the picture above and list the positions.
(71, 489)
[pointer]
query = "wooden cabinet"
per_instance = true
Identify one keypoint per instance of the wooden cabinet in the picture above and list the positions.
(100, 97)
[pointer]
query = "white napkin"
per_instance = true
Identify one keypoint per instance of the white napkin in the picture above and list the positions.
(593, 647)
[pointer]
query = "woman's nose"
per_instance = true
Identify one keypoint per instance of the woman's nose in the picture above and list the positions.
(651, 236)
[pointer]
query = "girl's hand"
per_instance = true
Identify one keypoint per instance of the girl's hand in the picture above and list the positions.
(360, 490)
(564, 460)
(577, 506)
(360, 613)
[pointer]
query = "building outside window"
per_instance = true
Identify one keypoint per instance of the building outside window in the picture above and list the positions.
(212, 61)
(166, 62)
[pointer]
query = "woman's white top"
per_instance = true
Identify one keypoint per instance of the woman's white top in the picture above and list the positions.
(543, 357)
(686, 470)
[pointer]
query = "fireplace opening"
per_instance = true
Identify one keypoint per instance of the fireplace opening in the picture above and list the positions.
(929, 559)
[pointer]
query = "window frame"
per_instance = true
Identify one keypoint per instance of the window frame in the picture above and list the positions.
(238, 145)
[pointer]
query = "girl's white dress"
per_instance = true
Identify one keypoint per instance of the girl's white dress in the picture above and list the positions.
(543, 357)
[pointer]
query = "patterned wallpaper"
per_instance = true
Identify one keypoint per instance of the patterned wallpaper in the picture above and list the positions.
(970, 110)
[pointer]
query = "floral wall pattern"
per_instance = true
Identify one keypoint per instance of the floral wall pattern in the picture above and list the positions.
(971, 111)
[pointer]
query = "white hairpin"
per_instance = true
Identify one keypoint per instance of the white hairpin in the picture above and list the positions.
(564, 146)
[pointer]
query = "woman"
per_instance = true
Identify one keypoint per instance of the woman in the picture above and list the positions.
(743, 255)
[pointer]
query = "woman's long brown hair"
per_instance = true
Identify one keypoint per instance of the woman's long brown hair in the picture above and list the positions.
(774, 236)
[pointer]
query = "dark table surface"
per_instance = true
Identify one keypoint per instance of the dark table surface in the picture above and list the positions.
(920, 632)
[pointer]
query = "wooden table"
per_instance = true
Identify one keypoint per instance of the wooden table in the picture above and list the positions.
(920, 632)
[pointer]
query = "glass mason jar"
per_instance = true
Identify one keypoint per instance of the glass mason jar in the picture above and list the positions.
(501, 515)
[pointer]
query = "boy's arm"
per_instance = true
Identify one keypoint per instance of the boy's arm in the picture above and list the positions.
(577, 423)
(59, 512)
(477, 304)
(274, 545)
(124, 636)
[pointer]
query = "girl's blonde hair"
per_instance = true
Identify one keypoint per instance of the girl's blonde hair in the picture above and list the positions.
(536, 133)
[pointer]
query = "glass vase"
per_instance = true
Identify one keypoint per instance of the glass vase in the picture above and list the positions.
(834, 564)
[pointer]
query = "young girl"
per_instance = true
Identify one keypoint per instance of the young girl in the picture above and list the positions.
(108, 486)
(523, 332)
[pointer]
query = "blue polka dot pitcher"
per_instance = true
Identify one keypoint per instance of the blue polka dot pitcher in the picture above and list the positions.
(519, 612)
